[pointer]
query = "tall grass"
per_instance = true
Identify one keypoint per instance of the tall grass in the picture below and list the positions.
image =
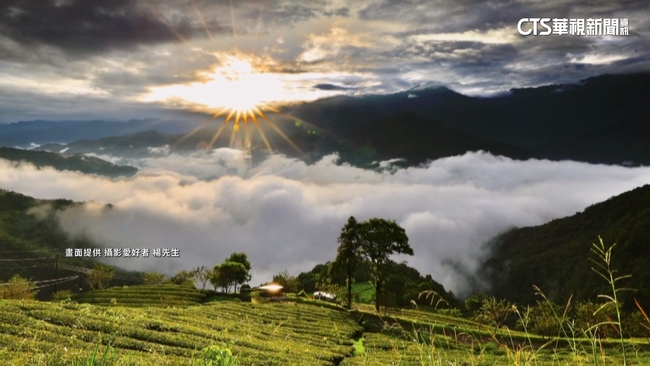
(604, 269)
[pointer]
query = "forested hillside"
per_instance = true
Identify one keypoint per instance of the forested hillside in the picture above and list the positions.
(555, 256)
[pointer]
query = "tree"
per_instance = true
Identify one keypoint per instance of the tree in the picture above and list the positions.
(229, 274)
(240, 257)
(100, 276)
(184, 278)
(348, 255)
(288, 282)
(494, 311)
(17, 288)
(214, 277)
(473, 303)
(203, 275)
(380, 239)
(153, 278)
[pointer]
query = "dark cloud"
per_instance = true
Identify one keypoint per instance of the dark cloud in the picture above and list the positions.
(475, 14)
(330, 87)
(81, 28)
(340, 12)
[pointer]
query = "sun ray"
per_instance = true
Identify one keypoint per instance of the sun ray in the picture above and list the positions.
(216, 135)
(159, 16)
(232, 137)
(279, 131)
(319, 129)
(232, 24)
(198, 14)
(266, 142)
(248, 143)
(232, 111)
(194, 131)
(237, 121)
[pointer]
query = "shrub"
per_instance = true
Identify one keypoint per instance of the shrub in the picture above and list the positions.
(153, 278)
(494, 312)
(245, 288)
(216, 356)
(62, 295)
(636, 325)
(17, 288)
(100, 276)
(543, 319)
(586, 316)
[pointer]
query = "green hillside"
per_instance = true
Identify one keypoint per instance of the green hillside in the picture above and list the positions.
(29, 243)
(555, 256)
(77, 162)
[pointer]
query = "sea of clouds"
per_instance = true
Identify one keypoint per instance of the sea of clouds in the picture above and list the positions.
(286, 214)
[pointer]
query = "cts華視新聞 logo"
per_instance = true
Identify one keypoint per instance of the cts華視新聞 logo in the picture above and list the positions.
(573, 27)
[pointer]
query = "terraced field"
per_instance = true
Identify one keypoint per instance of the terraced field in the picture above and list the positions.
(258, 334)
(171, 325)
(142, 296)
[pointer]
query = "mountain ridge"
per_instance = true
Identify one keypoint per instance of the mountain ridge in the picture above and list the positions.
(69, 162)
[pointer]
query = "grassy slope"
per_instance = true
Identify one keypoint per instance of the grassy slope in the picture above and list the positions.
(149, 331)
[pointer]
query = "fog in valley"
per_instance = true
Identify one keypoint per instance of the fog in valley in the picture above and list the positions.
(286, 214)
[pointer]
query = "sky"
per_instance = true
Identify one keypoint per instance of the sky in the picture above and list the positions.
(123, 59)
(286, 214)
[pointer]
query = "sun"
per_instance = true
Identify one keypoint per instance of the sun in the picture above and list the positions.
(238, 88)
(241, 91)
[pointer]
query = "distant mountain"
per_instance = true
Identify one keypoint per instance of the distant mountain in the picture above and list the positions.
(81, 163)
(555, 256)
(24, 133)
(404, 135)
(141, 144)
(550, 120)
(602, 119)
(134, 145)
(415, 139)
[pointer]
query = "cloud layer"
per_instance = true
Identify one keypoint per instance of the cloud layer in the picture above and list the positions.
(287, 215)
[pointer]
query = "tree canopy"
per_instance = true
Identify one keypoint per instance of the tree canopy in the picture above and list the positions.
(380, 239)
(100, 276)
(348, 256)
(228, 274)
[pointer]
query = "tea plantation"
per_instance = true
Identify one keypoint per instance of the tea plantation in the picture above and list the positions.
(175, 325)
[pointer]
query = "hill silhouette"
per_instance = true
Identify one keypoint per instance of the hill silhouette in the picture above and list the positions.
(600, 120)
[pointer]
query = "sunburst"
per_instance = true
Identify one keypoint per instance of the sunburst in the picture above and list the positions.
(236, 89)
